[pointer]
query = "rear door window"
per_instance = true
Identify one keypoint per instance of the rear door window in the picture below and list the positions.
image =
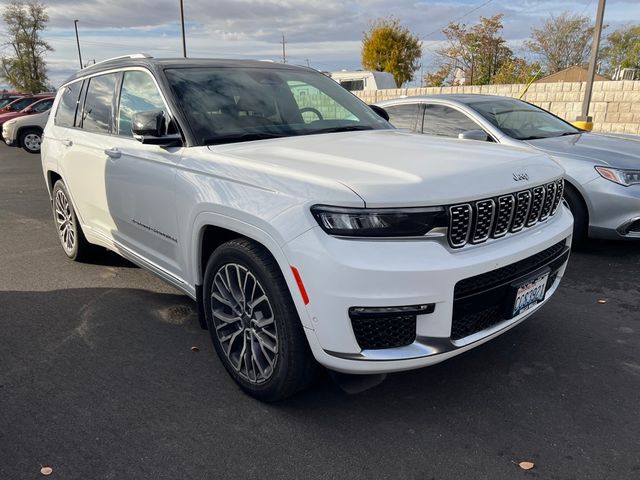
(97, 114)
(405, 116)
(66, 112)
(445, 121)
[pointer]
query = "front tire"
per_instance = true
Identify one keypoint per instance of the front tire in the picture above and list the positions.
(72, 239)
(30, 140)
(253, 323)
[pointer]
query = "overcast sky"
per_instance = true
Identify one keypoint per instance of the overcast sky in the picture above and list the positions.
(327, 33)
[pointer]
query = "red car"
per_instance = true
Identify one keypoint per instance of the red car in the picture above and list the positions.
(22, 102)
(41, 104)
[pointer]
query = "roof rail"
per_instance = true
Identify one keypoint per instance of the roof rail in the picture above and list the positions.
(131, 55)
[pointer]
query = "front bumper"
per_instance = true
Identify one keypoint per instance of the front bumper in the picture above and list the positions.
(613, 209)
(339, 274)
(6, 133)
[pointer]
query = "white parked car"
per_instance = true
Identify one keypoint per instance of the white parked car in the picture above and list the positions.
(25, 132)
(364, 80)
(302, 232)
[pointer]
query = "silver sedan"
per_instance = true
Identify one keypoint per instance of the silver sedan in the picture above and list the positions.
(603, 170)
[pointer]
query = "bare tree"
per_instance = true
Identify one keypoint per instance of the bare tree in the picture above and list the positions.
(562, 41)
(24, 68)
(478, 52)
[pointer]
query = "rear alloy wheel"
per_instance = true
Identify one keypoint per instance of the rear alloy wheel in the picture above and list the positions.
(253, 323)
(31, 140)
(72, 239)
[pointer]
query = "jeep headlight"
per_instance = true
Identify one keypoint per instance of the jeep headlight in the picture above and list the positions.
(379, 222)
(620, 176)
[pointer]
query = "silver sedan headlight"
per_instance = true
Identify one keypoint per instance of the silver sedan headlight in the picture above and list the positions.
(620, 176)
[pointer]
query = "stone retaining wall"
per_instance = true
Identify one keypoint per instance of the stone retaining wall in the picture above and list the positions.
(615, 105)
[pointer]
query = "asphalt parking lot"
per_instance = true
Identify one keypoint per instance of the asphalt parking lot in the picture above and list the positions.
(99, 381)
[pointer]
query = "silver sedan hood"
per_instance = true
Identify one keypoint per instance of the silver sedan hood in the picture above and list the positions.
(616, 151)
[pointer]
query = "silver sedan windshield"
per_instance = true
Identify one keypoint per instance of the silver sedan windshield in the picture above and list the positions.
(521, 120)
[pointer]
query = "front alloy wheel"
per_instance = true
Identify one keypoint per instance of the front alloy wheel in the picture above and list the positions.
(31, 141)
(244, 323)
(253, 323)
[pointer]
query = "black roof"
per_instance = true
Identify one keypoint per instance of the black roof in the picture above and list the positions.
(164, 63)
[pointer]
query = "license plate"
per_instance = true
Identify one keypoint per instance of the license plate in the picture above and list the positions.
(530, 294)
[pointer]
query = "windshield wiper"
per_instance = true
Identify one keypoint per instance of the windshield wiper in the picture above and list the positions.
(242, 137)
(532, 138)
(344, 128)
(569, 133)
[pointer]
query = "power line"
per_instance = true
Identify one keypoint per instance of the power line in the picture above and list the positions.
(460, 18)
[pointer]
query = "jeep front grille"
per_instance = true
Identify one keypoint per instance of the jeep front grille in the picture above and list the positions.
(475, 222)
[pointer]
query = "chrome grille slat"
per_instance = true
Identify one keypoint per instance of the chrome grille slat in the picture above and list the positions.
(549, 197)
(476, 222)
(484, 213)
(460, 219)
(536, 206)
(522, 210)
(504, 215)
(558, 197)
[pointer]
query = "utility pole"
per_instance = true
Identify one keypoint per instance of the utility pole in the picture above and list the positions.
(584, 120)
(284, 54)
(75, 24)
(184, 40)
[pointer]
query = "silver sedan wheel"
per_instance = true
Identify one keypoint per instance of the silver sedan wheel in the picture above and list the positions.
(244, 323)
(32, 142)
(65, 222)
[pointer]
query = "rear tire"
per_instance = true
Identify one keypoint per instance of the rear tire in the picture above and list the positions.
(253, 323)
(580, 214)
(72, 239)
(30, 140)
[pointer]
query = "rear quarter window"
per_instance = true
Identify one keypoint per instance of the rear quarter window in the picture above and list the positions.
(66, 112)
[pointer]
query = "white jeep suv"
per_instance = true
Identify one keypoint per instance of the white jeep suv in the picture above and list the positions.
(304, 225)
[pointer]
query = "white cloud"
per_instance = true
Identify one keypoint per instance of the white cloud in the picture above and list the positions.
(327, 32)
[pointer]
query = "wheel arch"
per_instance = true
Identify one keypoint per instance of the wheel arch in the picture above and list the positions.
(212, 230)
(570, 184)
(52, 178)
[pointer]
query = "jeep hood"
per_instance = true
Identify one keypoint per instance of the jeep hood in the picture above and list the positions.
(395, 168)
(615, 151)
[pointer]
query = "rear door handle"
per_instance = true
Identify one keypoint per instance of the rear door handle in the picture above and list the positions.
(112, 152)
(67, 143)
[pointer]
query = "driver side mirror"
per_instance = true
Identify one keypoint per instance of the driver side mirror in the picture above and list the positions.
(380, 111)
(28, 110)
(151, 128)
(480, 135)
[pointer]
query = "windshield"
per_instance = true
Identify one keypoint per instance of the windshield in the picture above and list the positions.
(521, 120)
(225, 105)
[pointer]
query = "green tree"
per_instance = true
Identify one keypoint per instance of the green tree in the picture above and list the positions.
(479, 51)
(24, 68)
(562, 41)
(516, 70)
(390, 47)
(622, 49)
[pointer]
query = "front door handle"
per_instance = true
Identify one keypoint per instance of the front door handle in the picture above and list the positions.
(67, 143)
(112, 152)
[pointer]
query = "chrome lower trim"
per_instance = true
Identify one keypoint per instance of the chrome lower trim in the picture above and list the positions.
(145, 263)
(622, 229)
